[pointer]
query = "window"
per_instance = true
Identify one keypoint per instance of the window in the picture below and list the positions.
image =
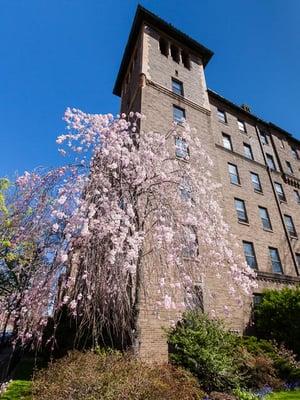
(241, 125)
(175, 53)
(181, 148)
(164, 46)
(248, 151)
(264, 137)
(297, 196)
(294, 153)
(227, 141)
(290, 225)
(190, 242)
(256, 182)
(298, 259)
(289, 167)
(257, 298)
(279, 191)
(275, 260)
(250, 254)
(270, 162)
(233, 173)
(186, 60)
(185, 189)
(241, 210)
(178, 114)
(265, 219)
(221, 116)
(177, 87)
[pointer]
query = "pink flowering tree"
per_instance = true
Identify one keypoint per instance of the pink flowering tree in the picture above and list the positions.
(128, 215)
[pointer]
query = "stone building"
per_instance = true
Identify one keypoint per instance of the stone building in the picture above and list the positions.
(162, 75)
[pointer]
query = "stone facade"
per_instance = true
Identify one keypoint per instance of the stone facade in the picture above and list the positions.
(156, 52)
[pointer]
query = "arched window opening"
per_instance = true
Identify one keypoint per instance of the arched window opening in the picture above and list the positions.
(175, 53)
(186, 60)
(164, 46)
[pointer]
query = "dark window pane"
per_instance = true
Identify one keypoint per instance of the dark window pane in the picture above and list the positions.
(178, 114)
(290, 225)
(181, 148)
(177, 87)
(233, 173)
(250, 254)
(241, 210)
(265, 219)
(256, 182)
(275, 260)
(248, 151)
(270, 162)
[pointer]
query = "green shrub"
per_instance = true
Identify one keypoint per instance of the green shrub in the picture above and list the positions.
(113, 376)
(205, 348)
(284, 361)
(277, 317)
(244, 395)
(17, 390)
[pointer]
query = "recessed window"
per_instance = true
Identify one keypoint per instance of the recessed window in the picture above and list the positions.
(234, 174)
(185, 189)
(175, 53)
(257, 298)
(241, 125)
(264, 137)
(279, 191)
(222, 116)
(241, 210)
(190, 242)
(186, 61)
(250, 254)
(298, 259)
(290, 225)
(181, 148)
(248, 151)
(256, 182)
(265, 219)
(178, 114)
(164, 46)
(227, 141)
(177, 87)
(270, 162)
(275, 260)
(289, 168)
(295, 153)
(297, 196)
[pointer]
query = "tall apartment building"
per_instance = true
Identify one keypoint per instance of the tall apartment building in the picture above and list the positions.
(162, 75)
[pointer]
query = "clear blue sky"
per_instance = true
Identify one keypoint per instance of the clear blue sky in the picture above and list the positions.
(59, 53)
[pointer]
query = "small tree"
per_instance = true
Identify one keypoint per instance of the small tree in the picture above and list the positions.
(277, 317)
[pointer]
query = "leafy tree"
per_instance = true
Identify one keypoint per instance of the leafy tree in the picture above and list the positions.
(277, 317)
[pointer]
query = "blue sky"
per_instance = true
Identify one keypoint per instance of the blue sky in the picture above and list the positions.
(60, 53)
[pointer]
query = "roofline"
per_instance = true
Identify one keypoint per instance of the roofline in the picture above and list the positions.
(144, 15)
(270, 125)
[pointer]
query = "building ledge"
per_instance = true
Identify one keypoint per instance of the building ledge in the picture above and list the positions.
(291, 180)
(280, 278)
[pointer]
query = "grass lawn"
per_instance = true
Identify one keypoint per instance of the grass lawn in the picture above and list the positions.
(17, 390)
(292, 395)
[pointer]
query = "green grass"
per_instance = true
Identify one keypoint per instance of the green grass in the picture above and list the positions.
(17, 390)
(291, 395)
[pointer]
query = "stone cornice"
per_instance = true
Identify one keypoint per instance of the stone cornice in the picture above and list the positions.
(291, 180)
(177, 97)
(240, 156)
(284, 279)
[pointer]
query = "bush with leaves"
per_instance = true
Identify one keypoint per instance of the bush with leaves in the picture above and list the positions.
(277, 317)
(205, 348)
(113, 376)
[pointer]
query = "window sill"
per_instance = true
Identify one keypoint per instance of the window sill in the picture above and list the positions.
(293, 237)
(244, 223)
(259, 192)
(186, 160)
(223, 122)
(268, 230)
(236, 184)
